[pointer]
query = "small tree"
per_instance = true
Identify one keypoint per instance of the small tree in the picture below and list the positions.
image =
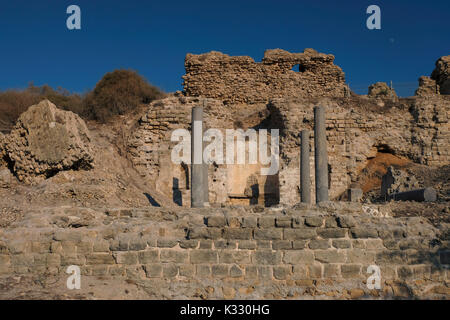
(118, 92)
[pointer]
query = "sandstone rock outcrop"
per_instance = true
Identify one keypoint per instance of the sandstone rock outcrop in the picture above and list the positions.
(441, 74)
(46, 140)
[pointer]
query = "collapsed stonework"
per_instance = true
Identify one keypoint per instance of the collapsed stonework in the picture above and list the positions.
(381, 90)
(427, 87)
(354, 136)
(438, 82)
(395, 181)
(242, 80)
(46, 140)
(441, 74)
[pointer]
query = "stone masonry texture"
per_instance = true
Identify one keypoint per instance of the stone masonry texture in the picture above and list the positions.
(242, 80)
(313, 252)
(237, 92)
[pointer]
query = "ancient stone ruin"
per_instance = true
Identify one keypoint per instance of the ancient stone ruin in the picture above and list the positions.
(219, 230)
(381, 90)
(279, 74)
(240, 93)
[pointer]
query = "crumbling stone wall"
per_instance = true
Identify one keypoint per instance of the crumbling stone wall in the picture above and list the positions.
(395, 181)
(242, 80)
(318, 252)
(421, 133)
(242, 93)
(427, 87)
(441, 74)
(150, 148)
(381, 90)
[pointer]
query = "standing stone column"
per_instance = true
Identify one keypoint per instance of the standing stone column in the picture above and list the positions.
(305, 178)
(205, 179)
(321, 155)
(197, 168)
(205, 167)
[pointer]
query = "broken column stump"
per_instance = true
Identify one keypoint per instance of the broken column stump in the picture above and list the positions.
(427, 195)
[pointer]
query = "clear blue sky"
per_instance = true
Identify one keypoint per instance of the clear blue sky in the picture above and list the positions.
(153, 38)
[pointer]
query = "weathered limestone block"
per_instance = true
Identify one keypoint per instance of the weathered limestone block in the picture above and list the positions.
(266, 257)
(46, 140)
(203, 256)
(355, 194)
(268, 234)
(6, 178)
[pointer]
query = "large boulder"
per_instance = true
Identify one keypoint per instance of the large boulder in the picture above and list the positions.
(5, 177)
(441, 74)
(46, 140)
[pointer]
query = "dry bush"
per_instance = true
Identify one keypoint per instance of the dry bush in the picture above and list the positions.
(14, 102)
(117, 93)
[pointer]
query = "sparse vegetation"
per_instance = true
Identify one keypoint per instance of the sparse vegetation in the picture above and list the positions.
(116, 93)
(14, 102)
